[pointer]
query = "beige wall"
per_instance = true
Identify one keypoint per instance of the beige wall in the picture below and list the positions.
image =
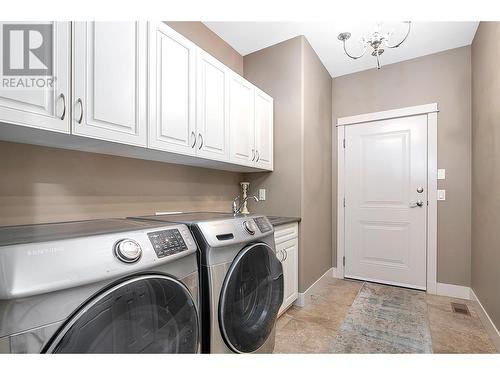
(317, 163)
(277, 71)
(39, 184)
(486, 168)
(301, 183)
(444, 78)
(205, 38)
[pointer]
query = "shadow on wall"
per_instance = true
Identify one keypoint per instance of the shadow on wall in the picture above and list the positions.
(41, 184)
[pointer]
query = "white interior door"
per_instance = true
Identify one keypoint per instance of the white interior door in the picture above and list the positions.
(386, 201)
(110, 81)
(212, 120)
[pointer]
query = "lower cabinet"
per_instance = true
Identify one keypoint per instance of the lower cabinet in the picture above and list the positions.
(287, 251)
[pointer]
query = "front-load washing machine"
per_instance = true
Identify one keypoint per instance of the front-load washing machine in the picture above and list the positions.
(241, 280)
(99, 286)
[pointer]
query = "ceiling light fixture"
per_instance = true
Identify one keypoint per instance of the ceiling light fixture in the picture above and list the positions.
(377, 40)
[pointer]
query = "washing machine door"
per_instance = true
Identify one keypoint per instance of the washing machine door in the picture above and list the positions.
(251, 296)
(142, 314)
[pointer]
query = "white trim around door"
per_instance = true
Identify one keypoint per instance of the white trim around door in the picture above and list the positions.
(431, 111)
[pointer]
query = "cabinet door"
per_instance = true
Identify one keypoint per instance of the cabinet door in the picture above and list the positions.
(110, 81)
(290, 271)
(212, 108)
(263, 130)
(172, 90)
(45, 107)
(241, 121)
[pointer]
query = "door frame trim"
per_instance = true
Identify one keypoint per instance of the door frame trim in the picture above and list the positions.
(431, 110)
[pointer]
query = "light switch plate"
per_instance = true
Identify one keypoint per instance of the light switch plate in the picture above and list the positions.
(441, 174)
(441, 195)
(262, 194)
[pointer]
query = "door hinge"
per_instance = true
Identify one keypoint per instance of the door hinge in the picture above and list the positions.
(343, 261)
(343, 201)
(343, 142)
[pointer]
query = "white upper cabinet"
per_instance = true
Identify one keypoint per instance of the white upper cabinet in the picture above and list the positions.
(241, 119)
(44, 107)
(110, 78)
(212, 119)
(172, 64)
(263, 130)
(134, 84)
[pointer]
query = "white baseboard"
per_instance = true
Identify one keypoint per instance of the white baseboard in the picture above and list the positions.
(487, 322)
(305, 297)
(455, 291)
(335, 274)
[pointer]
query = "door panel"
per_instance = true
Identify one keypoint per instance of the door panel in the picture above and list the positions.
(290, 272)
(41, 108)
(263, 130)
(110, 81)
(212, 108)
(385, 164)
(241, 120)
(172, 90)
(251, 296)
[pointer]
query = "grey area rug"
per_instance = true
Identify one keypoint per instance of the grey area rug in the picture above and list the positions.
(385, 319)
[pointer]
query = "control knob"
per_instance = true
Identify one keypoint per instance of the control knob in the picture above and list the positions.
(128, 251)
(250, 226)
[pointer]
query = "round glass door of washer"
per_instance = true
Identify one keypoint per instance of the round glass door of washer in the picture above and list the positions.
(250, 298)
(141, 314)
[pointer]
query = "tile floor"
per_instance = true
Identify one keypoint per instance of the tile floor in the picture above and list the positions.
(313, 328)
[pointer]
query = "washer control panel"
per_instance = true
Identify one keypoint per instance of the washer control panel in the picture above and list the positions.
(167, 242)
(263, 224)
(250, 227)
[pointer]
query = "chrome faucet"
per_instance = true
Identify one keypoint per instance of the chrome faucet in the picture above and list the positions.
(237, 208)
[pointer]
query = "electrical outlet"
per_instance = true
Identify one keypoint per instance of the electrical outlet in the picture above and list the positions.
(441, 174)
(441, 195)
(262, 194)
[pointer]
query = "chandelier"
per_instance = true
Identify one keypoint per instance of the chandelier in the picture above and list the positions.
(378, 41)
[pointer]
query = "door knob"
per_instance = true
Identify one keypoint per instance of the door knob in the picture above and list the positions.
(420, 190)
(418, 203)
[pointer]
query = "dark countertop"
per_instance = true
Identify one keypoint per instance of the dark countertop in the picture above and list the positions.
(280, 220)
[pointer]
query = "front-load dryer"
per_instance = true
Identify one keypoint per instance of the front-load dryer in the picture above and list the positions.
(241, 280)
(99, 286)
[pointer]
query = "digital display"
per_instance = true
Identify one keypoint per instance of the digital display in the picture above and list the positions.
(167, 242)
(263, 224)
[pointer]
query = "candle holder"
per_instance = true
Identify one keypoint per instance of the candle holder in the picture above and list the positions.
(244, 194)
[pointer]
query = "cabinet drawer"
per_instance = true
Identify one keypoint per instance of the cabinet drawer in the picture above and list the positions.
(286, 232)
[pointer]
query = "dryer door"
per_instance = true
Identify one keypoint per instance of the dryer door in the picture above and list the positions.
(250, 298)
(142, 314)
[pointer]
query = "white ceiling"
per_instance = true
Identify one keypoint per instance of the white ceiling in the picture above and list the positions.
(425, 38)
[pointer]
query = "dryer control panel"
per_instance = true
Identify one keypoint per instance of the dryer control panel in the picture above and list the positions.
(167, 242)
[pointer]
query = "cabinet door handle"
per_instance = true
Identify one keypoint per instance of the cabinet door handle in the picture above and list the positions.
(258, 155)
(253, 154)
(61, 96)
(81, 113)
(201, 141)
(193, 135)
